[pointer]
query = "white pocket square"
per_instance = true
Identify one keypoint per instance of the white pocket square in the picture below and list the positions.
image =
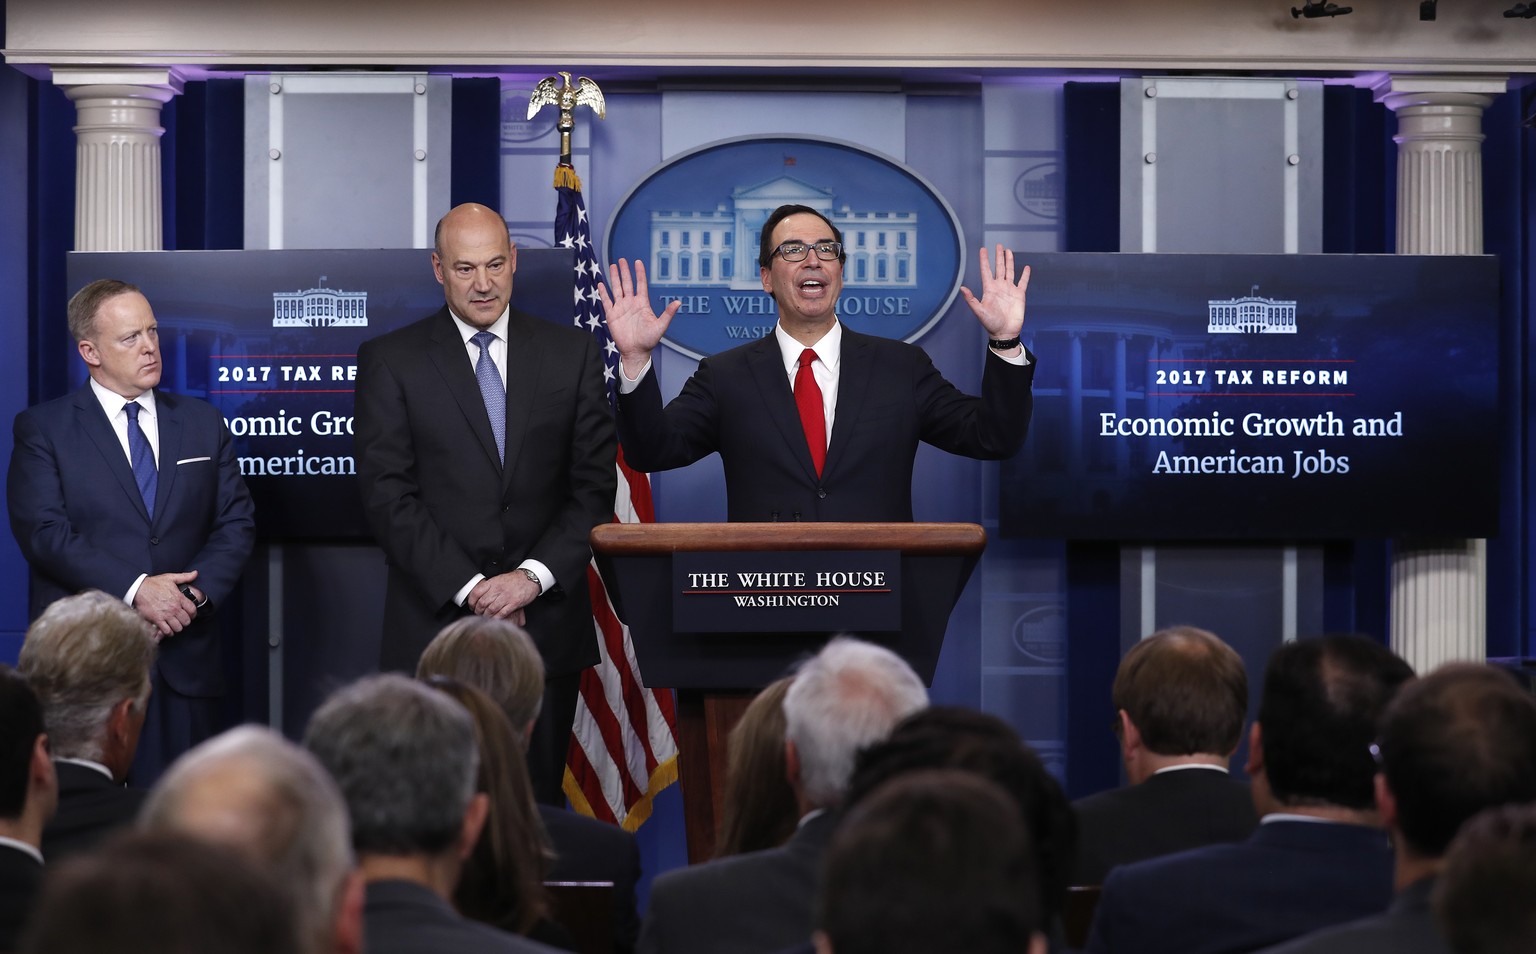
(191, 460)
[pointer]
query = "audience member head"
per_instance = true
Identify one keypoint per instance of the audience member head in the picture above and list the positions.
(931, 861)
(405, 759)
(496, 657)
(1323, 699)
(759, 808)
(161, 893)
(503, 879)
(28, 790)
(1453, 743)
(844, 699)
(88, 657)
(952, 737)
(1482, 898)
(260, 794)
(1181, 694)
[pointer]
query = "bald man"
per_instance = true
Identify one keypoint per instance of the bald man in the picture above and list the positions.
(485, 453)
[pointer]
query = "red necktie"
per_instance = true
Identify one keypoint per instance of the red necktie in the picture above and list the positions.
(813, 416)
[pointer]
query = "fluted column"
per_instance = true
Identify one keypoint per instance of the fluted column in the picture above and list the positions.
(117, 171)
(1439, 589)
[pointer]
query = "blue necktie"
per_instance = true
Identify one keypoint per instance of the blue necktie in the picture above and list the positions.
(493, 391)
(143, 458)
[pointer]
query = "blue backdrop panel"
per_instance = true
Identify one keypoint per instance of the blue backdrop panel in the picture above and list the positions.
(1251, 396)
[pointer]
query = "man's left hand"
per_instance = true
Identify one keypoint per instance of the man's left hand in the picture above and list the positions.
(503, 596)
(1001, 306)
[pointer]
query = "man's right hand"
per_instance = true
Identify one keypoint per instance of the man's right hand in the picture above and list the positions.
(159, 600)
(633, 324)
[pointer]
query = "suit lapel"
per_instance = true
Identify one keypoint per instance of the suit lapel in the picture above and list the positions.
(524, 372)
(96, 427)
(766, 364)
(451, 358)
(168, 422)
(856, 367)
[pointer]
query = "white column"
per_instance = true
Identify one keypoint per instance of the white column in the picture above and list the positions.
(1439, 589)
(117, 136)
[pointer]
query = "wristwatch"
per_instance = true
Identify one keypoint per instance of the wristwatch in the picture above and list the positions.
(1003, 344)
(532, 576)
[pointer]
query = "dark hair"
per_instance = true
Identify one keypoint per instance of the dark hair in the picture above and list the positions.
(983, 744)
(932, 861)
(84, 304)
(502, 883)
(1453, 743)
(1186, 692)
(1323, 699)
(765, 240)
(758, 806)
(1482, 897)
(21, 722)
(161, 893)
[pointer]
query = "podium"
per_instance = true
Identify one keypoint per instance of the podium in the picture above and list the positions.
(778, 592)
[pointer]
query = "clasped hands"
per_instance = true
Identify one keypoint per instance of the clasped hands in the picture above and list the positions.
(503, 596)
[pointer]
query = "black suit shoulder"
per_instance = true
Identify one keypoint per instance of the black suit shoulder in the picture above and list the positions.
(91, 807)
(1167, 813)
(589, 850)
(20, 878)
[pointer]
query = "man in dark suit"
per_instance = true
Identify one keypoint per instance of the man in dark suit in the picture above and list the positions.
(28, 793)
(405, 757)
(136, 492)
(1319, 856)
(498, 658)
(845, 698)
(1458, 741)
(1180, 697)
(89, 658)
(485, 454)
(817, 421)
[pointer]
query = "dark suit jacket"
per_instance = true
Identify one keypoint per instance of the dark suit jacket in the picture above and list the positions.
(1288, 879)
(444, 508)
(91, 807)
(1408, 927)
(20, 878)
(889, 397)
(755, 903)
(78, 517)
(402, 917)
(589, 850)
(1171, 812)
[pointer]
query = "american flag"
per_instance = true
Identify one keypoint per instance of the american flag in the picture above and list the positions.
(624, 743)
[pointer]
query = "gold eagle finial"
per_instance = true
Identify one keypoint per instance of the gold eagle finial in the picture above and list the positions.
(559, 91)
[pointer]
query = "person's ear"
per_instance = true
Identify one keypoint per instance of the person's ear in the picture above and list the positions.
(474, 820)
(347, 932)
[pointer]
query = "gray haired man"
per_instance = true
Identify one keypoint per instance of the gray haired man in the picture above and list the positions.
(405, 758)
(844, 699)
(88, 657)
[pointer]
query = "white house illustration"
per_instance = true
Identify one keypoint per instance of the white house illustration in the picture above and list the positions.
(720, 247)
(1252, 315)
(319, 308)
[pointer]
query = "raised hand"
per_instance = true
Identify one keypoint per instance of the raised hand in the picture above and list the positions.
(633, 324)
(1001, 306)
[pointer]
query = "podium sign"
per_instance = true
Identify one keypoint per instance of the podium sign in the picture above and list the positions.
(787, 592)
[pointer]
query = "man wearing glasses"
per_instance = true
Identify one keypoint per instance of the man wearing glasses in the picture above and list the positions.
(818, 421)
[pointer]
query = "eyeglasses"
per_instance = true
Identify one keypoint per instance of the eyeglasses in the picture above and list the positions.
(797, 251)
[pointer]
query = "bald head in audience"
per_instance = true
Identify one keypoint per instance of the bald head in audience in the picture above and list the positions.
(260, 794)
